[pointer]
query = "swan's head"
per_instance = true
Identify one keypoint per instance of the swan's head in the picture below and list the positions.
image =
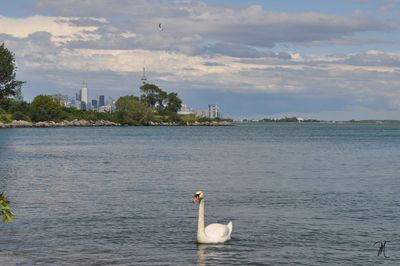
(198, 196)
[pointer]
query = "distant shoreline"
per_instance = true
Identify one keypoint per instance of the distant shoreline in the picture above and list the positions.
(325, 122)
(99, 123)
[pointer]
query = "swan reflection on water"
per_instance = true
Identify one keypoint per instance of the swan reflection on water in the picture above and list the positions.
(211, 254)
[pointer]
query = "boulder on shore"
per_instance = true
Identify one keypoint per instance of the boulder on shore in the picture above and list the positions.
(19, 123)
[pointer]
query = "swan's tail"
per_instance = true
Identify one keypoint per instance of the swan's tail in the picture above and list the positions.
(230, 228)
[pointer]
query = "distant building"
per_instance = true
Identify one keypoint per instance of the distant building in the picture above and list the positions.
(185, 110)
(62, 99)
(109, 101)
(105, 108)
(109, 105)
(89, 106)
(201, 113)
(83, 97)
(78, 105)
(100, 101)
(94, 104)
(71, 102)
(213, 111)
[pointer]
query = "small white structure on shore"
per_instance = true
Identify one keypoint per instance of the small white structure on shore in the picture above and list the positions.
(212, 112)
(185, 110)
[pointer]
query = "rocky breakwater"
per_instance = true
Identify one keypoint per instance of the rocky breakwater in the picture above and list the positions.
(100, 123)
(64, 123)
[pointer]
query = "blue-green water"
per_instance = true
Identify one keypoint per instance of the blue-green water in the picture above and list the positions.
(297, 194)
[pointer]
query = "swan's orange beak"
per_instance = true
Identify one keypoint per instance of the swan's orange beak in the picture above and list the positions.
(195, 198)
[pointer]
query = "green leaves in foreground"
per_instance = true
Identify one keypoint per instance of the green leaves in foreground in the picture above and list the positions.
(5, 210)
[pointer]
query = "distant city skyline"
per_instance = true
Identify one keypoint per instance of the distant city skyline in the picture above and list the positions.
(337, 60)
(82, 101)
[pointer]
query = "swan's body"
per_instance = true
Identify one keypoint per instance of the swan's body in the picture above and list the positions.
(213, 233)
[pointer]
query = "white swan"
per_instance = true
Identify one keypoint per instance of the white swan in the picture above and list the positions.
(213, 233)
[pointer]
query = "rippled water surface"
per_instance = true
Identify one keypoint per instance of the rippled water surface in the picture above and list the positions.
(297, 194)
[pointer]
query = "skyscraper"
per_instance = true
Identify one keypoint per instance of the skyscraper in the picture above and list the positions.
(94, 104)
(100, 101)
(213, 111)
(83, 93)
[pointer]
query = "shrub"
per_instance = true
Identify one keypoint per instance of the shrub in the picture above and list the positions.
(18, 115)
(5, 117)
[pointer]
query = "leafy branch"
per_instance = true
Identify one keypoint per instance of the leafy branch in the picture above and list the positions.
(5, 210)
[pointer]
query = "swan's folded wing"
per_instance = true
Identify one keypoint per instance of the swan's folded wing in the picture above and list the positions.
(217, 231)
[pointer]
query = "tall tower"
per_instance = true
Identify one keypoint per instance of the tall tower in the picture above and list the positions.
(144, 79)
(84, 97)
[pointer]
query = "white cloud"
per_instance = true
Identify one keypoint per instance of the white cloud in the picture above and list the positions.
(266, 74)
(60, 28)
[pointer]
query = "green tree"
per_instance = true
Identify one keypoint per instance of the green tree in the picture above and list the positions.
(131, 111)
(152, 95)
(5, 117)
(5, 210)
(8, 85)
(174, 103)
(46, 108)
(20, 110)
(162, 102)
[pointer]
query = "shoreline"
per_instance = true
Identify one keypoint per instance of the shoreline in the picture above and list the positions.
(99, 123)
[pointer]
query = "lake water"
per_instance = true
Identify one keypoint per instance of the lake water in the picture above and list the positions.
(297, 194)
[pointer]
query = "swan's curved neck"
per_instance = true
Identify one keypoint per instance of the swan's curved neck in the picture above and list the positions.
(201, 233)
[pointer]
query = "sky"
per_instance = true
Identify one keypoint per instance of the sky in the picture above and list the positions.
(330, 60)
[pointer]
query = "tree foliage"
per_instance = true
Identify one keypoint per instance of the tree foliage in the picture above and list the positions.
(71, 113)
(5, 117)
(9, 86)
(174, 103)
(162, 102)
(19, 110)
(152, 95)
(131, 111)
(5, 210)
(46, 108)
